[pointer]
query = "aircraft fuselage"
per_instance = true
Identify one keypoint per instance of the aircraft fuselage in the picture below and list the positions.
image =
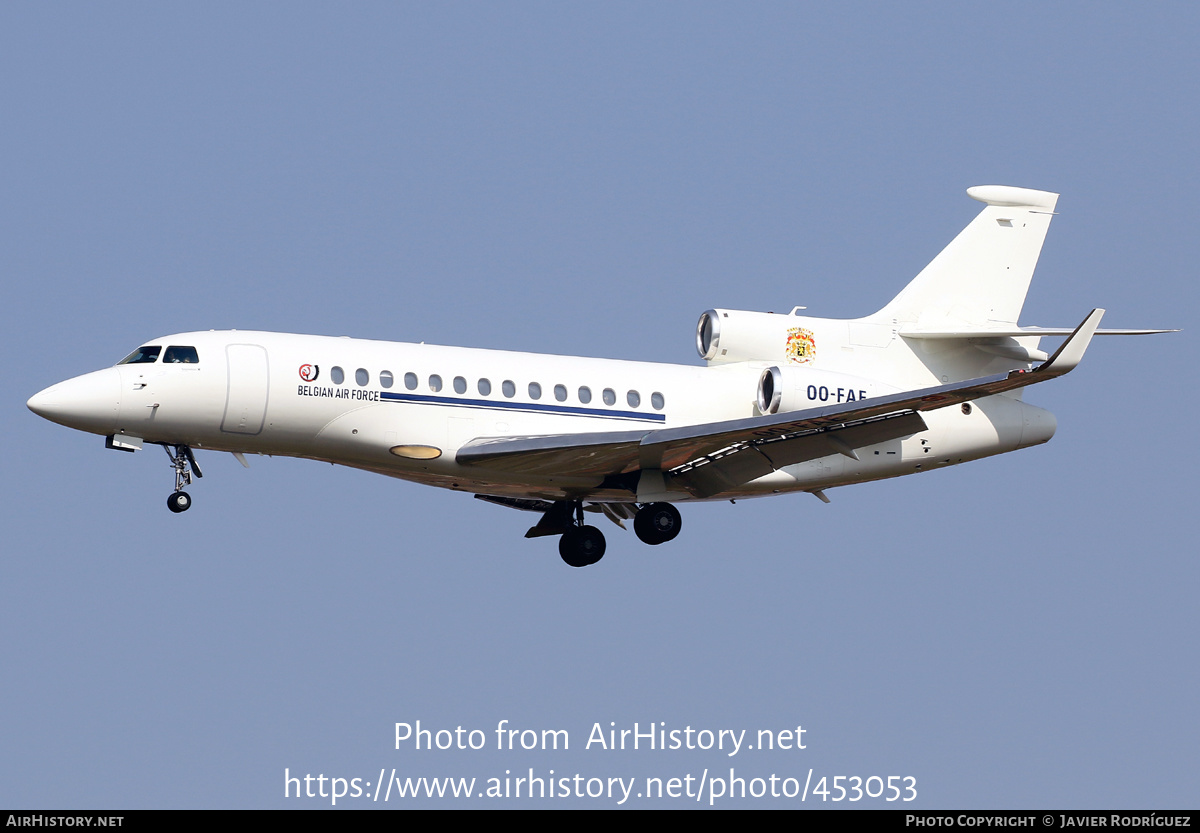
(404, 409)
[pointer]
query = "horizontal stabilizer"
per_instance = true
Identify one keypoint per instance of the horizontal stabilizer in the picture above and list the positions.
(1014, 332)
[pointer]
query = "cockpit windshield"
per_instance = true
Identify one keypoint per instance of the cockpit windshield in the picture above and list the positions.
(181, 355)
(142, 355)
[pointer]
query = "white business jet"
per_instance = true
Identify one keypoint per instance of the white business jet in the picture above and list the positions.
(785, 403)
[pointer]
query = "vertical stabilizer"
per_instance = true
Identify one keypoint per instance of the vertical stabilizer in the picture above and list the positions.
(983, 275)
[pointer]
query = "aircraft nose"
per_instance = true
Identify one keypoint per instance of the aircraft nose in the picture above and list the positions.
(88, 402)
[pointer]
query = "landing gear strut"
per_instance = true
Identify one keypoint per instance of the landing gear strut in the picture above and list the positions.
(581, 545)
(657, 523)
(183, 462)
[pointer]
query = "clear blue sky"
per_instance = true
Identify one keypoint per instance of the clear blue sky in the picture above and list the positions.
(587, 179)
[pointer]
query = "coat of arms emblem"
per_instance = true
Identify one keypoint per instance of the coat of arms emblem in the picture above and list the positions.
(801, 347)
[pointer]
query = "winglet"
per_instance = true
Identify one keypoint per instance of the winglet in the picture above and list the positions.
(1069, 354)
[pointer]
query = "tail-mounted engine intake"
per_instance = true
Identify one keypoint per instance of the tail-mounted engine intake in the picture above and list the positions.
(770, 391)
(724, 335)
(783, 389)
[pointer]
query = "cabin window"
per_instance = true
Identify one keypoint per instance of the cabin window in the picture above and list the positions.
(585, 395)
(633, 398)
(142, 355)
(510, 389)
(560, 393)
(337, 375)
(180, 355)
(460, 384)
(485, 387)
(435, 383)
(535, 390)
(385, 378)
(610, 396)
(657, 401)
(410, 381)
(362, 376)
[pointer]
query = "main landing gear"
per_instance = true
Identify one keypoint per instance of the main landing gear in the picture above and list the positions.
(183, 462)
(657, 523)
(654, 523)
(581, 545)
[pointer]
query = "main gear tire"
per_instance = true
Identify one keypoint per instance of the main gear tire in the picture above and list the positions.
(581, 546)
(657, 523)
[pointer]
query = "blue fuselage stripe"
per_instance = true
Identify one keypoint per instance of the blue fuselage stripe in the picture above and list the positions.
(532, 407)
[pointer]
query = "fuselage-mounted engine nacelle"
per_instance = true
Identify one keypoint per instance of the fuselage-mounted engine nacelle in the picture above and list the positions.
(784, 346)
(730, 335)
(783, 389)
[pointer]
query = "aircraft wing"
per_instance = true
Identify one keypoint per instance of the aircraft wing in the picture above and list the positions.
(604, 453)
(710, 458)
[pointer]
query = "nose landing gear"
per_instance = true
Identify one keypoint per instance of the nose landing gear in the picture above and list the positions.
(183, 461)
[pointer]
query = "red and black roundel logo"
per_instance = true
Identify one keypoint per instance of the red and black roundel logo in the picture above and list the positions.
(309, 372)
